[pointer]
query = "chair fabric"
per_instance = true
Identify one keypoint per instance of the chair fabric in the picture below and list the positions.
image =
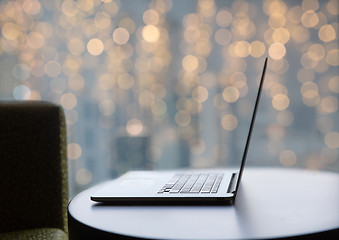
(36, 234)
(33, 168)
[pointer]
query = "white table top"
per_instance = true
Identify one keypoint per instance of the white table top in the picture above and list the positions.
(271, 203)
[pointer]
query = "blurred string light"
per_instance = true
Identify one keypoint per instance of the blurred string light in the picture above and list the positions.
(67, 51)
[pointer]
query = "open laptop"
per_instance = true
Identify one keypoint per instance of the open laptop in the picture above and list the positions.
(179, 187)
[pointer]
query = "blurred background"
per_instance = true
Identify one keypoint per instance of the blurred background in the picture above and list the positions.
(165, 84)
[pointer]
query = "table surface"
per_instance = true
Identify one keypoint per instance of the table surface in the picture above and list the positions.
(271, 203)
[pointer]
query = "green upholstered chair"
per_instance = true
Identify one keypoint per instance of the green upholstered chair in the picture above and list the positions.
(33, 171)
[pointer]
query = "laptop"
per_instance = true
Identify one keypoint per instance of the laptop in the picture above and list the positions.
(206, 187)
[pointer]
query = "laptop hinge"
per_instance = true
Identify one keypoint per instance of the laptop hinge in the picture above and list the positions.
(233, 183)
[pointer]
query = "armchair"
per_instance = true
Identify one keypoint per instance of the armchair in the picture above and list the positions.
(33, 171)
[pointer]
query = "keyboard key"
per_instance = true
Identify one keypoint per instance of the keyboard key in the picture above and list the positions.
(189, 184)
(180, 183)
(217, 184)
(209, 183)
(199, 183)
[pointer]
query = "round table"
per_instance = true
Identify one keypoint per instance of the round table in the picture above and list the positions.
(271, 203)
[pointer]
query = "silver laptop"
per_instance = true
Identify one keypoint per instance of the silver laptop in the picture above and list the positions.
(178, 187)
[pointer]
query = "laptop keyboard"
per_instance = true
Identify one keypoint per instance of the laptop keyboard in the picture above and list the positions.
(193, 183)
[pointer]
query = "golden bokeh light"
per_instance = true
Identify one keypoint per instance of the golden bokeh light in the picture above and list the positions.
(281, 35)
(316, 52)
(121, 36)
(102, 20)
(32, 7)
(10, 31)
(134, 127)
(241, 49)
(52, 68)
(190, 63)
(83, 176)
(192, 20)
(229, 122)
(125, 81)
(243, 27)
(277, 88)
(224, 18)
(277, 51)
(85, 5)
(74, 151)
(69, 8)
(207, 8)
(107, 107)
(294, 14)
(329, 104)
(309, 19)
(309, 90)
(257, 49)
(68, 101)
(280, 102)
(151, 33)
(223, 37)
(200, 94)
(151, 17)
(272, 7)
(183, 118)
(35, 40)
(231, 94)
(95, 46)
(288, 158)
(159, 108)
(327, 33)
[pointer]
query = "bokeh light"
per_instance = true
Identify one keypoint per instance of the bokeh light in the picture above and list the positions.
(181, 76)
(95, 46)
(229, 122)
(120, 36)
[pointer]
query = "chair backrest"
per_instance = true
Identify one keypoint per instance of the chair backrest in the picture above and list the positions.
(33, 166)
